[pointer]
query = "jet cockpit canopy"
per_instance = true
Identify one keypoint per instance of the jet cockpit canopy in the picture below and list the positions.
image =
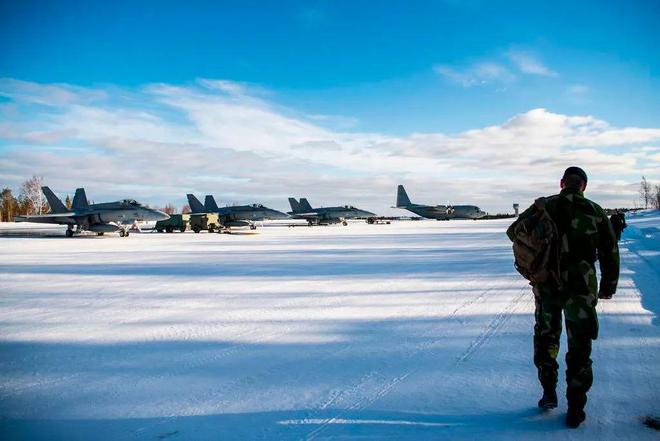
(131, 202)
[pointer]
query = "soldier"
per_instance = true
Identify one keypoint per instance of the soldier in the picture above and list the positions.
(618, 221)
(584, 235)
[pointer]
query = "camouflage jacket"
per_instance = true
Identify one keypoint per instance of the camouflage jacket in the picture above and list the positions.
(585, 235)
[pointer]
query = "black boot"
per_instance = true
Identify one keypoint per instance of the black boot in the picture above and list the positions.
(548, 400)
(575, 417)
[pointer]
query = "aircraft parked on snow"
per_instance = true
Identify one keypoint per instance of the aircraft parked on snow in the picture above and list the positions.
(439, 212)
(325, 215)
(234, 216)
(101, 218)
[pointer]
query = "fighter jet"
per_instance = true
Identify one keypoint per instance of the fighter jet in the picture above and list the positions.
(234, 216)
(325, 215)
(102, 218)
(439, 212)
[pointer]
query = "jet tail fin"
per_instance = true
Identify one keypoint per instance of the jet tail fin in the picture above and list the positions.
(209, 203)
(195, 205)
(402, 199)
(295, 206)
(56, 205)
(79, 200)
(304, 205)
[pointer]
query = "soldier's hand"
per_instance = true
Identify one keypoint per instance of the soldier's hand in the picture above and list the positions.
(604, 295)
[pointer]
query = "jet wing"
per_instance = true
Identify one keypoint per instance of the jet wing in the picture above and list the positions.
(53, 218)
(306, 215)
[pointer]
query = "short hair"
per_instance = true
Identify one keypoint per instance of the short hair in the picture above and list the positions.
(573, 170)
(573, 181)
(574, 177)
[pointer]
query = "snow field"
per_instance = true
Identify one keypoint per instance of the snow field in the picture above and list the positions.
(419, 330)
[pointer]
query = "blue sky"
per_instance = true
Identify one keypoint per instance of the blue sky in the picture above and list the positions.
(384, 69)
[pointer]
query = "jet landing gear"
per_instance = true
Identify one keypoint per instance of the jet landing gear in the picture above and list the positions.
(124, 232)
(69, 232)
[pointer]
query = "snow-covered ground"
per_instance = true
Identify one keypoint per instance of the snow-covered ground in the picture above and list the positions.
(418, 330)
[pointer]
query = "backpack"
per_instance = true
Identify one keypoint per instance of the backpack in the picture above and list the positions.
(535, 246)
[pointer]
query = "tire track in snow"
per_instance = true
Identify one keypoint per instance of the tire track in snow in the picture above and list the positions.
(418, 348)
(392, 382)
(276, 369)
(494, 326)
(230, 390)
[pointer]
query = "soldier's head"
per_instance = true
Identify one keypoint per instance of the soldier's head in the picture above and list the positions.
(574, 177)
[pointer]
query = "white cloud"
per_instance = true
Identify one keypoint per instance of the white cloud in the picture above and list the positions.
(337, 121)
(578, 89)
(163, 141)
(497, 70)
(229, 87)
(528, 63)
(477, 74)
(578, 93)
(48, 94)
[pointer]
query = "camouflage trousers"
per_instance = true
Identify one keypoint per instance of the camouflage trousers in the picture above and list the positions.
(581, 328)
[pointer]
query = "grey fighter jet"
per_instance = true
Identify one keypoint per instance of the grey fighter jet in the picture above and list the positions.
(234, 216)
(102, 218)
(439, 212)
(325, 215)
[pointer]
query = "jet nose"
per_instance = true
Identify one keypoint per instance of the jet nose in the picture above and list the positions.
(157, 215)
(277, 214)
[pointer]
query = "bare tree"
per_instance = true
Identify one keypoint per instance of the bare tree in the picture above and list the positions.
(31, 199)
(645, 192)
(169, 209)
(186, 209)
(656, 199)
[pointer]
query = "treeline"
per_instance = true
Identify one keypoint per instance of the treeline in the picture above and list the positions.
(30, 200)
(649, 195)
(171, 209)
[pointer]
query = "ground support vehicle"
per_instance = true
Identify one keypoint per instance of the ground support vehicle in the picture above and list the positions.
(175, 222)
(205, 221)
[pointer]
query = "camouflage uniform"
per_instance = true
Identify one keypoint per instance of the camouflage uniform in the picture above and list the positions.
(585, 235)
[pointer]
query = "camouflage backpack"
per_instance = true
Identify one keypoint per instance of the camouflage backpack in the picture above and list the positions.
(535, 245)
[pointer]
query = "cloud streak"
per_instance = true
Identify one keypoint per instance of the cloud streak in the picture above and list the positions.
(161, 141)
(477, 74)
(529, 63)
(500, 70)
